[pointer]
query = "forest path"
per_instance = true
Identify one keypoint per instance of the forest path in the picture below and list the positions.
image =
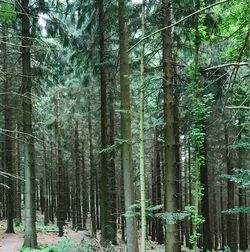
(49, 235)
(13, 242)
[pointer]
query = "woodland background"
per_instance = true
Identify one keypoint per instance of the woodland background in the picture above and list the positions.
(133, 117)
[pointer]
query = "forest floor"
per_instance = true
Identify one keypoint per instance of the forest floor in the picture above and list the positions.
(48, 235)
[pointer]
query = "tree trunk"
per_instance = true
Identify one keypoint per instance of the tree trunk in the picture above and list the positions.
(127, 161)
(106, 225)
(215, 210)
(207, 243)
(142, 151)
(223, 217)
(30, 238)
(85, 200)
(112, 167)
(93, 174)
(231, 219)
(172, 242)
(45, 187)
(9, 127)
(18, 213)
(77, 186)
(159, 224)
(243, 241)
(60, 178)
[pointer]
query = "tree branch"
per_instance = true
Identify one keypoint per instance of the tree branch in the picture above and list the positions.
(176, 23)
(238, 107)
(227, 65)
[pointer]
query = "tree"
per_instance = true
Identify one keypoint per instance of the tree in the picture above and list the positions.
(30, 239)
(59, 165)
(171, 160)
(106, 218)
(9, 127)
(126, 149)
(142, 151)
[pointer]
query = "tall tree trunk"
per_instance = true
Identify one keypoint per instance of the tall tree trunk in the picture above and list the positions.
(207, 243)
(105, 204)
(51, 186)
(60, 210)
(223, 217)
(85, 200)
(30, 238)
(77, 186)
(9, 127)
(231, 219)
(93, 174)
(186, 190)
(142, 151)
(215, 210)
(112, 168)
(18, 213)
(159, 224)
(97, 199)
(153, 192)
(127, 161)
(172, 242)
(45, 186)
(243, 239)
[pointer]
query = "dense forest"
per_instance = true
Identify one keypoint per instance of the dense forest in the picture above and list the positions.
(124, 125)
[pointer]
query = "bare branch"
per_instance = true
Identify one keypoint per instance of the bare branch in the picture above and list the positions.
(238, 107)
(227, 65)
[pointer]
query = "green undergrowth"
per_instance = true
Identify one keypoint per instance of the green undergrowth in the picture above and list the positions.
(39, 227)
(64, 245)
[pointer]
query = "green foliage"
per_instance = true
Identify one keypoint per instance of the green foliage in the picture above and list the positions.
(243, 144)
(237, 210)
(197, 220)
(197, 138)
(48, 228)
(172, 218)
(7, 12)
(134, 210)
(241, 177)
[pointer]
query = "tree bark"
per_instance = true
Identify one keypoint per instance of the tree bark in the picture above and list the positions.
(142, 151)
(172, 242)
(60, 210)
(112, 168)
(231, 219)
(93, 174)
(9, 127)
(126, 151)
(107, 234)
(45, 187)
(30, 238)
(85, 199)
(77, 186)
(243, 237)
